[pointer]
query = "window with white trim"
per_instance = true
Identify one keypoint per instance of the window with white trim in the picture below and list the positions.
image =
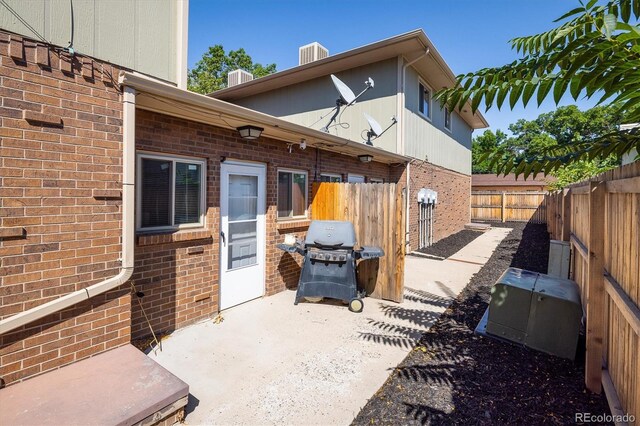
(330, 177)
(376, 180)
(292, 194)
(447, 119)
(424, 100)
(171, 192)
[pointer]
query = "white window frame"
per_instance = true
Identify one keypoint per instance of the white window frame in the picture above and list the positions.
(350, 175)
(376, 180)
(306, 194)
(332, 175)
(444, 123)
(203, 190)
(426, 86)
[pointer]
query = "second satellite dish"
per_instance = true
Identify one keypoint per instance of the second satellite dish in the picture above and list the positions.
(346, 99)
(375, 129)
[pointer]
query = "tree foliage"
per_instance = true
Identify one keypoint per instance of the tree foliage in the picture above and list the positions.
(595, 52)
(558, 128)
(210, 72)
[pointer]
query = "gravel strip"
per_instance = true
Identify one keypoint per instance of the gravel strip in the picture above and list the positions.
(450, 245)
(456, 377)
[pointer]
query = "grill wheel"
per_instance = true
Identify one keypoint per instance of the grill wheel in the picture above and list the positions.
(356, 305)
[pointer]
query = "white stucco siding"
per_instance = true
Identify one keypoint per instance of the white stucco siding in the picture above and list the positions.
(136, 34)
(425, 142)
(428, 139)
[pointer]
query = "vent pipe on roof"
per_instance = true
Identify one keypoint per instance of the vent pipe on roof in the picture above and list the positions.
(312, 52)
(238, 76)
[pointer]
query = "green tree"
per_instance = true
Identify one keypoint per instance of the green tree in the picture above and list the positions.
(487, 142)
(210, 72)
(566, 126)
(596, 51)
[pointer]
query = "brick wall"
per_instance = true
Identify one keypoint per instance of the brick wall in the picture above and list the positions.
(453, 210)
(179, 273)
(60, 140)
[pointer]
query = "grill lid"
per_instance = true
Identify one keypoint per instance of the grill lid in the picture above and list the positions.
(331, 233)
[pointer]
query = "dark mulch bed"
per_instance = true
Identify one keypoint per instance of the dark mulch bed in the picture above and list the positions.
(456, 377)
(451, 244)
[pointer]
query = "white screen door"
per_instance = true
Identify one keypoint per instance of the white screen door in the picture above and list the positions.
(242, 232)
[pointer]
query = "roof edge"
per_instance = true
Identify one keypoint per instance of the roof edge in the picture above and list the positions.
(154, 87)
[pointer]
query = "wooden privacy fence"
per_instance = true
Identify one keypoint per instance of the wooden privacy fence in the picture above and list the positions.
(376, 211)
(601, 219)
(509, 206)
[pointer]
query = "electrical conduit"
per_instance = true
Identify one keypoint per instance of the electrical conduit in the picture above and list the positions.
(128, 231)
(401, 133)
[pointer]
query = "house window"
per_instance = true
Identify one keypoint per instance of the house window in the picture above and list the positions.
(355, 178)
(376, 180)
(330, 177)
(170, 192)
(447, 119)
(292, 194)
(424, 100)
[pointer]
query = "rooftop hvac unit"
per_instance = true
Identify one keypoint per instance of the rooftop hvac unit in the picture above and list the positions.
(238, 76)
(312, 52)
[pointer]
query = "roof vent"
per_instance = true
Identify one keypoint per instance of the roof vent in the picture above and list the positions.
(312, 52)
(238, 76)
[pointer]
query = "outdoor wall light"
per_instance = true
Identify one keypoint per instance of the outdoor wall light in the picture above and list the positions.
(250, 132)
(365, 158)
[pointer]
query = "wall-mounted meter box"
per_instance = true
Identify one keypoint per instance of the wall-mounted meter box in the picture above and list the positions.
(536, 310)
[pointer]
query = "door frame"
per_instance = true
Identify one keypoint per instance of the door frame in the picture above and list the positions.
(263, 257)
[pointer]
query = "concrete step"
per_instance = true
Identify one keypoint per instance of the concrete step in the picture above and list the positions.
(475, 226)
(119, 387)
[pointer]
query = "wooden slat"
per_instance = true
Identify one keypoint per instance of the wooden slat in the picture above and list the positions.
(626, 186)
(595, 288)
(566, 214)
(612, 396)
(580, 247)
(623, 302)
(580, 190)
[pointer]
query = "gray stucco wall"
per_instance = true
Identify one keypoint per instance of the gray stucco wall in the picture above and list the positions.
(305, 103)
(136, 34)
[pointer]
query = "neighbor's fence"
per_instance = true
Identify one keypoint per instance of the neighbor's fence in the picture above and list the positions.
(377, 213)
(509, 206)
(601, 219)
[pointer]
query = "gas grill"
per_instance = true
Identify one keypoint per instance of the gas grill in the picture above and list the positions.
(329, 265)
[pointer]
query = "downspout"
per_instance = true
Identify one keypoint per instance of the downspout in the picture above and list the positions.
(400, 142)
(128, 232)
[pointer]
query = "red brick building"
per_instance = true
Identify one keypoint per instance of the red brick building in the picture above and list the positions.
(83, 148)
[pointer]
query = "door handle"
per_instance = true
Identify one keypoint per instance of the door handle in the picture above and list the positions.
(224, 241)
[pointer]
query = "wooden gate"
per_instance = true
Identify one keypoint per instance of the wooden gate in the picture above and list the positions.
(509, 206)
(377, 213)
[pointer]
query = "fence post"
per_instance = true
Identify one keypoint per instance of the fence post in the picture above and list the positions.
(595, 287)
(566, 214)
(504, 205)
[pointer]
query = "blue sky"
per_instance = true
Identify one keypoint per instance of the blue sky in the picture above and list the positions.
(470, 34)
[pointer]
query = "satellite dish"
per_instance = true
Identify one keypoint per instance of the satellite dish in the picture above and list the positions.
(347, 94)
(375, 129)
(346, 99)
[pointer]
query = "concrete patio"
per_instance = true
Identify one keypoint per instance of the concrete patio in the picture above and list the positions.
(271, 362)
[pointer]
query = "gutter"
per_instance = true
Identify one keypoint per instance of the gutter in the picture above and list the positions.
(128, 232)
